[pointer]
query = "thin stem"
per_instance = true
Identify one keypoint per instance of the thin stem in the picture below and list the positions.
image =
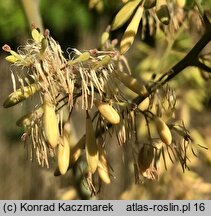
(202, 66)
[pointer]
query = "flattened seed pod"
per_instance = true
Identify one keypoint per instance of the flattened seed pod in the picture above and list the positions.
(162, 12)
(163, 131)
(21, 94)
(91, 146)
(103, 169)
(131, 31)
(63, 154)
(50, 123)
(124, 14)
(108, 112)
(132, 83)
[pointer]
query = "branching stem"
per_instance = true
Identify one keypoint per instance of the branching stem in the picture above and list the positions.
(189, 60)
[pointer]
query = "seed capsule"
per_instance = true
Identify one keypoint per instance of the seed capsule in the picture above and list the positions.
(63, 154)
(108, 112)
(103, 169)
(132, 83)
(163, 131)
(91, 146)
(162, 12)
(20, 95)
(50, 123)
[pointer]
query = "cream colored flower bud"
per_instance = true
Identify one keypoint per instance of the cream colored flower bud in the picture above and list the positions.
(132, 83)
(75, 153)
(63, 154)
(163, 131)
(108, 112)
(91, 147)
(103, 170)
(50, 123)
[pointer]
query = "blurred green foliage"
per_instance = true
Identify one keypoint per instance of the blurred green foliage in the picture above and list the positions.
(59, 16)
(66, 14)
(12, 20)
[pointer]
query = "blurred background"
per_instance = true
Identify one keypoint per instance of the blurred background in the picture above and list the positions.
(78, 24)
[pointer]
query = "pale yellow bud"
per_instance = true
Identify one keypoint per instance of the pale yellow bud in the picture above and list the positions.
(163, 131)
(63, 154)
(50, 124)
(132, 83)
(103, 170)
(91, 146)
(108, 112)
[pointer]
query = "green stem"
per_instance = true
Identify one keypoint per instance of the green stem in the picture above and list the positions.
(32, 11)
